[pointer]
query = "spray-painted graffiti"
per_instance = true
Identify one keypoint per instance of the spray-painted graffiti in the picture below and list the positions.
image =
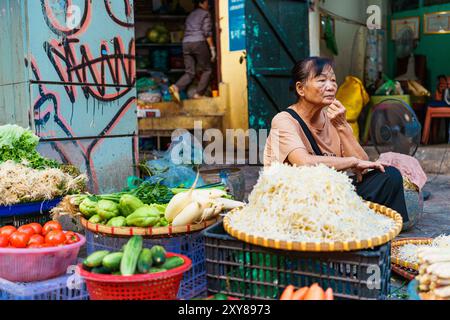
(83, 76)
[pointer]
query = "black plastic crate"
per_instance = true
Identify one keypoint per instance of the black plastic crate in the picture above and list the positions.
(242, 270)
(20, 220)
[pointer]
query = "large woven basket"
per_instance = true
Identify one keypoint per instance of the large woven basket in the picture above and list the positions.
(147, 232)
(401, 242)
(323, 246)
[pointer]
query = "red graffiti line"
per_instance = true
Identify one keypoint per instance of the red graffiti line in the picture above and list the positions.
(92, 71)
(128, 14)
(56, 27)
(55, 111)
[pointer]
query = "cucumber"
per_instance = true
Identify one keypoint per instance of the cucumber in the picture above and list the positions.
(131, 256)
(117, 273)
(145, 261)
(101, 270)
(172, 263)
(112, 261)
(95, 259)
(159, 255)
(156, 270)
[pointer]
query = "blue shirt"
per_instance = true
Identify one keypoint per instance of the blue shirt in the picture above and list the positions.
(198, 26)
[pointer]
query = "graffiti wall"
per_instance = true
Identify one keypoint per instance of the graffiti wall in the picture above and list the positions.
(81, 63)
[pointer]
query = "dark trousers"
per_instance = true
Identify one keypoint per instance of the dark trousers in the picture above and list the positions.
(196, 56)
(385, 189)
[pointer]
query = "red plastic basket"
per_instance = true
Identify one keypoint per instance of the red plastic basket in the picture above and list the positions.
(154, 286)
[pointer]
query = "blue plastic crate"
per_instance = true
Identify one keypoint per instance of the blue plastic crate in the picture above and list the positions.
(53, 289)
(194, 283)
(22, 209)
(24, 213)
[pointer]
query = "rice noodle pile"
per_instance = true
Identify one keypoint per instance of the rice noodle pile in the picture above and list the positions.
(19, 184)
(314, 204)
(409, 252)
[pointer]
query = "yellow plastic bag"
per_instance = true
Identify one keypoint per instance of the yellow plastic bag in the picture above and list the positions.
(354, 97)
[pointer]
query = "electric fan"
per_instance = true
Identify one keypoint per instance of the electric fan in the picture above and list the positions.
(394, 127)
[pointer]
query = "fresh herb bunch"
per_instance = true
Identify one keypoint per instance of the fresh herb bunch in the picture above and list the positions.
(19, 145)
(150, 193)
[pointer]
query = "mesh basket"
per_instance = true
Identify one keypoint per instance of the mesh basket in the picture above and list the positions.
(243, 270)
(60, 288)
(156, 286)
(191, 245)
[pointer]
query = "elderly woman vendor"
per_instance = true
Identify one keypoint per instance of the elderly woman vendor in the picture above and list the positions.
(314, 130)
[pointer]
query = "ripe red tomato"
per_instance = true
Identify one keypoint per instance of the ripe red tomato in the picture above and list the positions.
(7, 230)
(26, 229)
(19, 239)
(50, 226)
(36, 226)
(4, 241)
(71, 237)
(36, 239)
(35, 246)
(55, 237)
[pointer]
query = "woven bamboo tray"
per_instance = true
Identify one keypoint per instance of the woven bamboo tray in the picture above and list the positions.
(147, 232)
(401, 242)
(323, 246)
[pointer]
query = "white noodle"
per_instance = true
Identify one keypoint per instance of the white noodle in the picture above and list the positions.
(314, 204)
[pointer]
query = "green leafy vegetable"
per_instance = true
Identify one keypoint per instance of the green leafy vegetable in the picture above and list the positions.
(19, 145)
(152, 193)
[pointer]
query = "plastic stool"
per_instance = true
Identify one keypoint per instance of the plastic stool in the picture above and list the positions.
(433, 112)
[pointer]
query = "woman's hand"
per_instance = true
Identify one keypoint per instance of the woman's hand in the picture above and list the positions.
(363, 166)
(336, 113)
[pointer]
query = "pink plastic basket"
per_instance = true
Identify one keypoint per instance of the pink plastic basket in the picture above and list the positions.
(29, 265)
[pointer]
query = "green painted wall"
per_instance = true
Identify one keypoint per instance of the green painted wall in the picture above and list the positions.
(435, 46)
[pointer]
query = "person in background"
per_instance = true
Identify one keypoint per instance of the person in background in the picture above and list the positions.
(198, 50)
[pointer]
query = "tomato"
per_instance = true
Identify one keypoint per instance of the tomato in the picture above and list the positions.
(19, 239)
(50, 226)
(26, 229)
(7, 230)
(71, 237)
(4, 241)
(36, 239)
(36, 226)
(55, 237)
(35, 246)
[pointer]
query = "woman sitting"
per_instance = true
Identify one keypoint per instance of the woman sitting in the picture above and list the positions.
(315, 130)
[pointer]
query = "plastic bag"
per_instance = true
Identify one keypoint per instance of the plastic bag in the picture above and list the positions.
(175, 167)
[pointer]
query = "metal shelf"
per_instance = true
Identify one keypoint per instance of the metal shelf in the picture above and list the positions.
(153, 45)
(150, 17)
(169, 71)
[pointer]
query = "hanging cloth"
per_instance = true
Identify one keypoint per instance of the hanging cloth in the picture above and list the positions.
(354, 97)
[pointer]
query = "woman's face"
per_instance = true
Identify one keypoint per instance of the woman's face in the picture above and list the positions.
(320, 90)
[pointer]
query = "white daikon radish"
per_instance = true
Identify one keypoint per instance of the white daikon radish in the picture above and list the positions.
(443, 292)
(211, 213)
(179, 202)
(229, 204)
(188, 215)
(210, 193)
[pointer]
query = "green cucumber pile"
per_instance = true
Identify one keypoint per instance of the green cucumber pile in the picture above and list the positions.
(132, 259)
